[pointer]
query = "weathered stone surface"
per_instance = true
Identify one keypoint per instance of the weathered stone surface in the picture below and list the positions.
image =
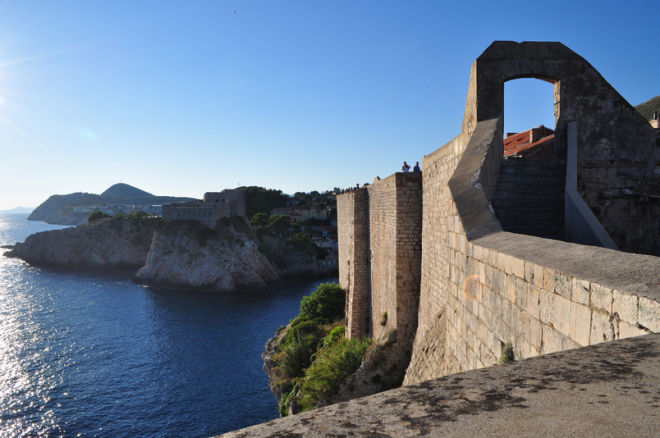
(188, 255)
(595, 391)
(118, 243)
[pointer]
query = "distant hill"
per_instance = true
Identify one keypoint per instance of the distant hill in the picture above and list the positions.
(122, 190)
(646, 109)
(61, 209)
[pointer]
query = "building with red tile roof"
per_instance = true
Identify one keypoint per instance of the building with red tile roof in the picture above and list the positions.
(538, 142)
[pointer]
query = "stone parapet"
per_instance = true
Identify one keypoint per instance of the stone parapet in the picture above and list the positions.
(589, 392)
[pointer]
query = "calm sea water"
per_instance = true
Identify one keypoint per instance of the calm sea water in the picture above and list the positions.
(91, 354)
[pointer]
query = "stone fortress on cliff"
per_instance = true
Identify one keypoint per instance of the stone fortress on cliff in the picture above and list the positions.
(449, 265)
(215, 205)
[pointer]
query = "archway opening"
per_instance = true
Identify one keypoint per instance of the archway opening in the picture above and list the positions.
(529, 119)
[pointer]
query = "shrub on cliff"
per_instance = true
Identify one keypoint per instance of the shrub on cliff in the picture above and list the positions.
(96, 216)
(330, 368)
(316, 328)
(302, 341)
(303, 242)
(324, 305)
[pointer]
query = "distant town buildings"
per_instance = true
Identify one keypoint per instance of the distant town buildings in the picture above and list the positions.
(216, 205)
(113, 209)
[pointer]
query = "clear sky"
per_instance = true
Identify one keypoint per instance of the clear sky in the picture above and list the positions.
(183, 97)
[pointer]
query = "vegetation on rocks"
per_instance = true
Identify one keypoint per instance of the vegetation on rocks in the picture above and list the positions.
(507, 354)
(261, 200)
(313, 358)
(647, 108)
(283, 227)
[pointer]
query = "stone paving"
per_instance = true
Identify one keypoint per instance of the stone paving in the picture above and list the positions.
(610, 389)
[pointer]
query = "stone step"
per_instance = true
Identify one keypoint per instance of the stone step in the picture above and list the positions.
(523, 162)
(540, 177)
(531, 221)
(530, 186)
(556, 212)
(527, 204)
(529, 195)
(505, 205)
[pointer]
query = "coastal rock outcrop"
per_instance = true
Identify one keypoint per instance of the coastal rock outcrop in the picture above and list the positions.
(174, 254)
(189, 255)
(109, 244)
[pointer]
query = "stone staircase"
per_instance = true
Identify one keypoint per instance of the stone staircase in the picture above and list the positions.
(529, 198)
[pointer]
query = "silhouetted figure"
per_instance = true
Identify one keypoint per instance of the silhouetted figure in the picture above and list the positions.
(416, 168)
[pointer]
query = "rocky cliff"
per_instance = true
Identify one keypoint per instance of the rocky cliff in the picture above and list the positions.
(113, 244)
(171, 254)
(188, 255)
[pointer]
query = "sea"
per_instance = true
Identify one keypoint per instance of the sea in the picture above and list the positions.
(87, 353)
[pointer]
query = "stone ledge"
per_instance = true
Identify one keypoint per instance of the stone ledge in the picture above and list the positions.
(589, 392)
(632, 273)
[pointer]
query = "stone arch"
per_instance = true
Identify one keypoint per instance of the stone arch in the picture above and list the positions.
(609, 132)
(540, 103)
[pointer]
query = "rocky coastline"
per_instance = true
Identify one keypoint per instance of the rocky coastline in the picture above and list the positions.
(172, 254)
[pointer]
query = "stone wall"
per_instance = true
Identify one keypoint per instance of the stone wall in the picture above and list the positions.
(540, 295)
(395, 210)
(386, 218)
(216, 205)
(618, 150)
(482, 287)
(354, 266)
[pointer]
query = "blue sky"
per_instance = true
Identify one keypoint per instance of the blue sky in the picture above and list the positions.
(179, 98)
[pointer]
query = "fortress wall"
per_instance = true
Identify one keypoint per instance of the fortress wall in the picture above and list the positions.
(541, 295)
(408, 256)
(354, 270)
(429, 348)
(383, 239)
(618, 150)
(380, 251)
(395, 215)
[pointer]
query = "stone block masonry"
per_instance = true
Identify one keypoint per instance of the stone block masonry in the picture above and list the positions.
(354, 271)
(386, 218)
(493, 287)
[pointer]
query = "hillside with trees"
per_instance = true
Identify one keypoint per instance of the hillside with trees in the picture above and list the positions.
(647, 108)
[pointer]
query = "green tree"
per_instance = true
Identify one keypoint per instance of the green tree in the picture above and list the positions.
(138, 215)
(282, 225)
(303, 242)
(324, 305)
(260, 219)
(260, 200)
(96, 216)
